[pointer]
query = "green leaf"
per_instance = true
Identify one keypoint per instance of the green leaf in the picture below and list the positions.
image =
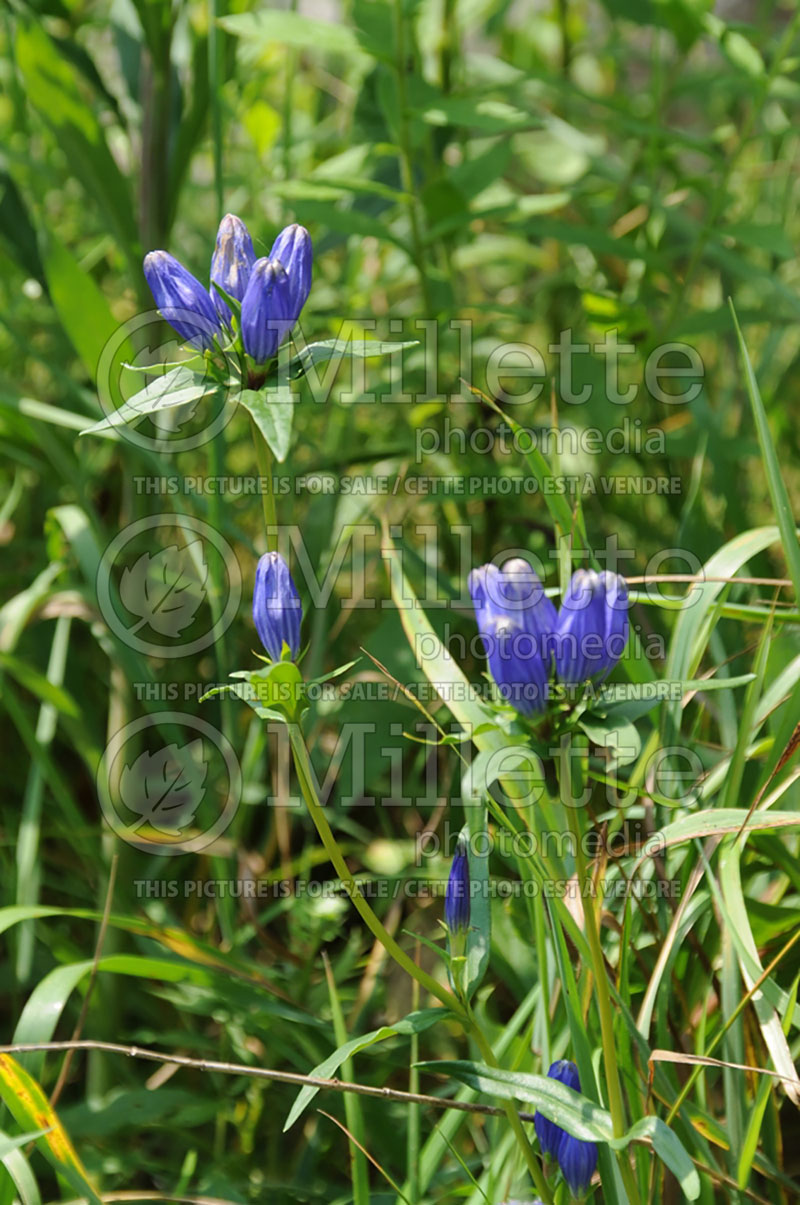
(17, 228)
(53, 87)
(691, 632)
(488, 116)
(777, 489)
(615, 733)
(715, 822)
(82, 309)
(273, 414)
(260, 30)
(354, 349)
(414, 1023)
(19, 1170)
(178, 387)
(275, 692)
(632, 699)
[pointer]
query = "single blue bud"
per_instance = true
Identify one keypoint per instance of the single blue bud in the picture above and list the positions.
(266, 310)
(277, 610)
(577, 1160)
(592, 626)
(576, 1157)
(292, 248)
(548, 1133)
(516, 621)
(181, 299)
(457, 895)
(231, 263)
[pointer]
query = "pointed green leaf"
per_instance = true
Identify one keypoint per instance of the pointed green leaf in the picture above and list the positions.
(178, 388)
(413, 1023)
(354, 349)
(273, 413)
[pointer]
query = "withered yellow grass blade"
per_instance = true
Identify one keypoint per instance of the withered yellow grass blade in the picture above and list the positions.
(31, 1109)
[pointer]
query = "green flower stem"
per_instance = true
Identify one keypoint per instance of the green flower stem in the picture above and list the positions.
(265, 461)
(302, 766)
(317, 812)
(602, 993)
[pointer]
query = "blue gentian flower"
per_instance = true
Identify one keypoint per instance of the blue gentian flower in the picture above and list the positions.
(276, 293)
(592, 626)
(272, 290)
(516, 620)
(457, 895)
(277, 610)
(576, 1157)
(181, 299)
(231, 263)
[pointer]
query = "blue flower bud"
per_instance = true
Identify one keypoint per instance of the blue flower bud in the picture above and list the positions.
(516, 621)
(292, 248)
(457, 895)
(577, 1160)
(592, 626)
(277, 610)
(576, 1157)
(231, 263)
(266, 310)
(181, 299)
(548, 1133)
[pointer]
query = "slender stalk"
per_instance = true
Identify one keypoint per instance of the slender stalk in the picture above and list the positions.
(413, 1136)
(317, 812)
(602, 993)
(265, 461)
(265, 1073)
(225, 908)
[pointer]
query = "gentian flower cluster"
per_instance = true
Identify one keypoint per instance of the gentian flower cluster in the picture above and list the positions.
(525, 638)
(277, 610)
(272, 290)
(576, 1157)
(457, 894)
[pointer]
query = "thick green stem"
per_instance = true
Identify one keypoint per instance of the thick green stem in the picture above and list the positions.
(602, 993)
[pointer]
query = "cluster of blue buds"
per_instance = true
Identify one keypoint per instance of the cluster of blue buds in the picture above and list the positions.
(576, 1157)
(525, 638)
(272, 290)
(277, 610)
(457, 895)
